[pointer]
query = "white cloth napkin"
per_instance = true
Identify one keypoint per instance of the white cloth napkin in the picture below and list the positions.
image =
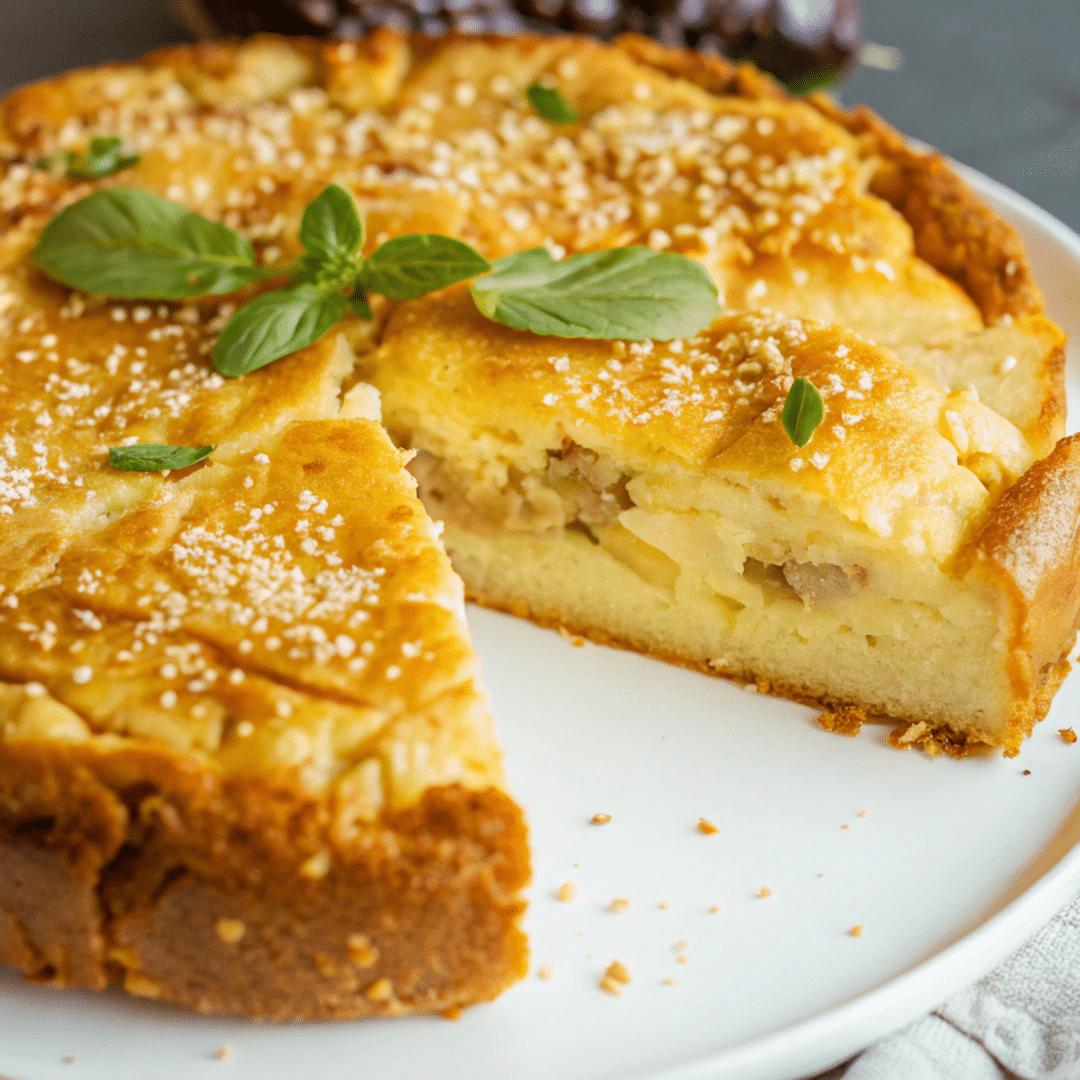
(1021, 1021)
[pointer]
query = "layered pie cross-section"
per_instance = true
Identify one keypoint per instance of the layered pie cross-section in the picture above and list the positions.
(913, 562)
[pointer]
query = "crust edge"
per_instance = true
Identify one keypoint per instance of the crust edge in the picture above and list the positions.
(172, 849)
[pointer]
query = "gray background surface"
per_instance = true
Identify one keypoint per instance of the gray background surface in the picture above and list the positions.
(994, 83)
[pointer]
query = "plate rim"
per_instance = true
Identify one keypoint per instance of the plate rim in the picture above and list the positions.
(830, 1038)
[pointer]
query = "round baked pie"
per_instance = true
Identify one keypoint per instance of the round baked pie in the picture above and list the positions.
(245, 761)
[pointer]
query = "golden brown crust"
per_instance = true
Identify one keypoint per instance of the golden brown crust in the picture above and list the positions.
(1030, 546)
(214, 891)
(955, 231)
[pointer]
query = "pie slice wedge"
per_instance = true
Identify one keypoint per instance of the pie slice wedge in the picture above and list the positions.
(909, 563)
(245, 763)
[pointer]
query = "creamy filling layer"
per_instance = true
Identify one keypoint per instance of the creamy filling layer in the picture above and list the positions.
(581, 491)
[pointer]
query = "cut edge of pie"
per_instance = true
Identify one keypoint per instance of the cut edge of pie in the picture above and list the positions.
(913, 563)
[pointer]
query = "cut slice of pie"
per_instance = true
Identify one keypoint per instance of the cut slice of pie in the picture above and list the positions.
(909, 563)
(244, 760)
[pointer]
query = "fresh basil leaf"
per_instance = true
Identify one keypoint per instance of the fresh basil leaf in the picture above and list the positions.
(331, 229)
(418, 263)
(630, 293)
(102, 158)
(803, 411)
(550, 104)
(127, 243)
(276, 324)
(809, 81)
(154, 457)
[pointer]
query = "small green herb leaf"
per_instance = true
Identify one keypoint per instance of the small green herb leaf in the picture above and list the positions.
(413, 265)
(550, 104)
(630, 293)
(127, 243)
(331, 229)
(153, 457)
(803, 411)
(809, 81)
(102, 158)
(276, 324)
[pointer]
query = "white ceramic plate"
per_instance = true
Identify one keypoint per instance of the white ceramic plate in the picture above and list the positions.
(952, 866)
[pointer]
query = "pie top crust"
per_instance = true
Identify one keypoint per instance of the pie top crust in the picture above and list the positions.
(792, 204)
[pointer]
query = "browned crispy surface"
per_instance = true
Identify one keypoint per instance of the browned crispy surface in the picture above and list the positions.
(955, 231)
(683, 152)
(1031, 545)
(200, 888)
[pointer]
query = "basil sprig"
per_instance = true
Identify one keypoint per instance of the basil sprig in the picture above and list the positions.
(332, 277)
(127, 243)
(803, 411)
(630, 293)
(550, 104)
(101, 158)
(155, 457)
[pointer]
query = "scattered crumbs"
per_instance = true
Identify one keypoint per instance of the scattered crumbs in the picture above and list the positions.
(580, 933)
(707, 827)
(680, 959)
(545, 972)
(845, 826)
(69, 1060)
(821, 875)
(577, 864)
(669, 981)
(856, 931)
(588, 956)
(845, 720)
(663, 905)
(222, 1053)
(862, 813)
(764, 891)
(679, 946)
(615, 978)
(1026, 772)
(619, 905)
(1067, 734)
(601, 819)
(714, 909)
(567, 892)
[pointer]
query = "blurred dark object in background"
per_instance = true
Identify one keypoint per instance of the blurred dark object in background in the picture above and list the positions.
(804, 43)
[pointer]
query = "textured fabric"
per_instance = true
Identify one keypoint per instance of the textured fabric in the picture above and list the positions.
(1021, 1021)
